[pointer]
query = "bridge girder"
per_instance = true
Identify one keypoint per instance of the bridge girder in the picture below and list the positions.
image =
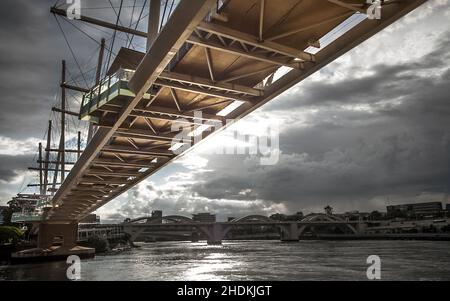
(240, 64)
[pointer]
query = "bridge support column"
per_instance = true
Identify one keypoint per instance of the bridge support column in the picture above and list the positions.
(133, 232)
(64, 234)
(361, 228)
(290, 232)
(215, 233)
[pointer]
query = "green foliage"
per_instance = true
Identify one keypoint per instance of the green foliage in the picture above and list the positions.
(10, 234)
(100, 244)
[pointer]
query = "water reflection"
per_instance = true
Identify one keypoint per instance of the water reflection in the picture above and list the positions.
(255, 260)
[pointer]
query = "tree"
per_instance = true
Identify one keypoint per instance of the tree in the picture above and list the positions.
(375, 215)
(328, 210)
(13, 206)
(10, 234)
(278, 217)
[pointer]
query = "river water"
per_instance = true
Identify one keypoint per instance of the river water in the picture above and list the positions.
(255, 260)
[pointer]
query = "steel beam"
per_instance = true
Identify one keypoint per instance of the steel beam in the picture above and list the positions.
(112, 174)
(253, 41)
(66, 150)
(199, 90)
(180, 26)
(217, 85)
(126, 164)
(74, 88)
(288, 62)
(131, 150)
(63, 12)
(54, 109)
(143, 134)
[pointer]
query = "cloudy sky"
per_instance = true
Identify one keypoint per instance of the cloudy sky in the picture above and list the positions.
(370, 129)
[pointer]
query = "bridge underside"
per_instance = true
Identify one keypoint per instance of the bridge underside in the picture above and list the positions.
(250, 52)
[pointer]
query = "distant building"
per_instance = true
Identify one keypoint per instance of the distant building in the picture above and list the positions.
(328, 210)
(429, 208)
(283, 217)
(91, 219)
(447, 207)
(354, 215)
(157, 213)
(204, 217)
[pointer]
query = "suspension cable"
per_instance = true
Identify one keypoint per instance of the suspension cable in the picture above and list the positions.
(115, 12)
(115, 31)
(70, 48)
(137, 23)
(163, 16)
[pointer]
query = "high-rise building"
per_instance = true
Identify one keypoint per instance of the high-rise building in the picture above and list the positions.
(157, 213)
(428, 208)
(91, 219)
(204, 217)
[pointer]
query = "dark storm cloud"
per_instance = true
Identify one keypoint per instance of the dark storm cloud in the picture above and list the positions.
(12, 166)
(31, 51)
(343, 154)
(28, 56)
(386, 82)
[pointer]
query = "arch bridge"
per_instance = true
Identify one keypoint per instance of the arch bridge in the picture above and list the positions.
(217, 231)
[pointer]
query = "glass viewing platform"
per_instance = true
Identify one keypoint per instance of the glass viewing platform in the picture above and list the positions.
(33, 207)
(26, 217)
(107, 91)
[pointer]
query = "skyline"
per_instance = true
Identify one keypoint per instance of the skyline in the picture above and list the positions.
(334, 144)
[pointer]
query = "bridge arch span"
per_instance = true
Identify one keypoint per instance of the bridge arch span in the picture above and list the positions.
(167, 218)
(324, 217)
(177, 218)
(251, 218)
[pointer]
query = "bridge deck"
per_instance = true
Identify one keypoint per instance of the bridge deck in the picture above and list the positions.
(203, 62)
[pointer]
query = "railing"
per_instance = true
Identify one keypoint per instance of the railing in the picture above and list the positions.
(108, 231)
(26, 217)
(105, 91)
(112, 84)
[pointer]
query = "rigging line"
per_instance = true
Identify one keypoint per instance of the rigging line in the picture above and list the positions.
(171, 7)
(168, 13)
(82, 31)
(73, 80)
(132, 13)
(120, 22)
(70, 48)
(89, 73)
(88, 62)
(103, 31)
(115, 31)
(131, 22)
(137, 22)
(163, 16)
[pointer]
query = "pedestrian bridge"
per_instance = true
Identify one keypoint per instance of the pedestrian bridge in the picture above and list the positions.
(210, 61)
(208, 55)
